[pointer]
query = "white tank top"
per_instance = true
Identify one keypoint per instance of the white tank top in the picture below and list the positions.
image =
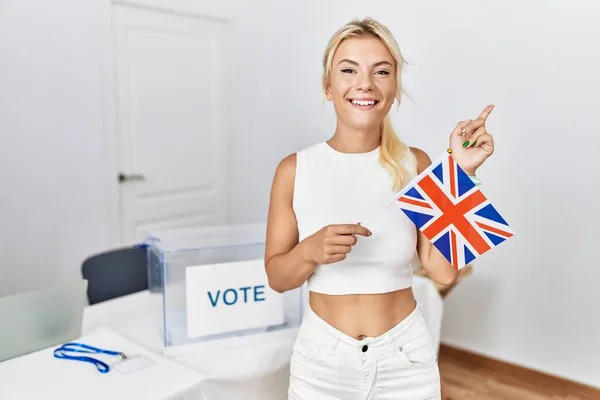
(332, 187)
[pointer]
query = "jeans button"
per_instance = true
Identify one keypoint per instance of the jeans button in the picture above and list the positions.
(365, 348)
(399, 348)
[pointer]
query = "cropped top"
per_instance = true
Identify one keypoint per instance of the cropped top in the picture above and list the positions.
(332, 187)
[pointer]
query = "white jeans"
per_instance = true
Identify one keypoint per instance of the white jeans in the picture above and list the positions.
(328, 364)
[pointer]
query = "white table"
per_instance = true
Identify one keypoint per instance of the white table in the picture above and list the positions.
(257, 372)
(253, 372)
(39, 375)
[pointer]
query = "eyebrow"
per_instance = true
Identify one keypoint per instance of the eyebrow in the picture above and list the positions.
(374, 65)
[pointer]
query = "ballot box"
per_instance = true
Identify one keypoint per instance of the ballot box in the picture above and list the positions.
(209, 289)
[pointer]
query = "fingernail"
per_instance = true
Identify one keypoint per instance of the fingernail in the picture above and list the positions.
(474, 143)
(465, 144)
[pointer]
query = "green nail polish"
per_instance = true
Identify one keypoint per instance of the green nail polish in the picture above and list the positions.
(466, 144)
(474, 143)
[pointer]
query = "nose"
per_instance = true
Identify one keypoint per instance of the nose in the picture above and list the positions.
(364, 83)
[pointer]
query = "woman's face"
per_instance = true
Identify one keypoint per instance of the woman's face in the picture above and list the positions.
(363, 83)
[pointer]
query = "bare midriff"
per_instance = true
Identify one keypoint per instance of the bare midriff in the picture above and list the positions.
(363, 315)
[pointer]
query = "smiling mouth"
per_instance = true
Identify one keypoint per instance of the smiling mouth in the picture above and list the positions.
(363, 104)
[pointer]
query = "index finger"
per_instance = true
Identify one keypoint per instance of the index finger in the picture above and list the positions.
(357, 229)
(486, 112)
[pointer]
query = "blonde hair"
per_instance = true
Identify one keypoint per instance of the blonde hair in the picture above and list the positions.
(394, 155)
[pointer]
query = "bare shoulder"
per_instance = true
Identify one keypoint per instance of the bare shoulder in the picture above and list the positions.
(287, 166)
(423, 160)
(286, 170)
(285, 175)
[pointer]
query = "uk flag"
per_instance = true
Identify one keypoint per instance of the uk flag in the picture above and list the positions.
(453, 213)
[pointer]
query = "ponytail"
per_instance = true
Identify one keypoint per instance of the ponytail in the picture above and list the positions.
(396, 156)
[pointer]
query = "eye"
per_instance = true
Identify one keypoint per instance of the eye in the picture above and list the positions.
(347, 71)
(382, 72)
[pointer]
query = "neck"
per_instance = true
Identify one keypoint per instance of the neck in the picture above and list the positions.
(351, 140)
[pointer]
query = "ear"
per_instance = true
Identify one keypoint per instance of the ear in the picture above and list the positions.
(328, 93)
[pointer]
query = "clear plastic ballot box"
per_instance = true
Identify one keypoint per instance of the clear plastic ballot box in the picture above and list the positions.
(209, 289)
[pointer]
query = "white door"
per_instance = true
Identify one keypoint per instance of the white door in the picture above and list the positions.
(171, 114)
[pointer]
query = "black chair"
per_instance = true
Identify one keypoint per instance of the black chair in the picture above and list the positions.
(115, 273)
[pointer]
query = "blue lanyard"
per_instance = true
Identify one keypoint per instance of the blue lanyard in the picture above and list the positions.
(84, 348)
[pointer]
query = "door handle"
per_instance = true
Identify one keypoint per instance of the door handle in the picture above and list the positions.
(130, 177)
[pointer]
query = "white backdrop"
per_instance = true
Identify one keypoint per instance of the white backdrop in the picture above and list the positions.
(532, 301)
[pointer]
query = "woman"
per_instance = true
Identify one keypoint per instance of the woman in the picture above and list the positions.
(363, 335)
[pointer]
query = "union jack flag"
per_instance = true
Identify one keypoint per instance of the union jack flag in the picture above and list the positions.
(453, 213)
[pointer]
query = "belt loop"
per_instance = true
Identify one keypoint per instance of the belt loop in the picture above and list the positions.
(390, 343)
(388, 340)
(420, 306)
(334, 344)
(331, 344)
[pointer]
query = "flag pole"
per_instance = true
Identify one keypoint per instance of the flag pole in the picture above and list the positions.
(404, 189)
(400, 193)
(378, 212)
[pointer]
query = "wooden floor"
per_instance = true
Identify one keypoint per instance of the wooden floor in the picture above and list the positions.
(469, 376)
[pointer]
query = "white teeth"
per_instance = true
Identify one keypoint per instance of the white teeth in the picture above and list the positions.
(363, 102)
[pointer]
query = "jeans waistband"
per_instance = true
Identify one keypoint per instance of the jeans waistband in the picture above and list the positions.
(326, 333)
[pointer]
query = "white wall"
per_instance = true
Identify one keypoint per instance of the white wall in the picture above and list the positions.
(56, 208)
(532, 301)
(52, 162)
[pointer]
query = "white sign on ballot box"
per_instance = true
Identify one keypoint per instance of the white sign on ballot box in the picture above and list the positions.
(229, 297)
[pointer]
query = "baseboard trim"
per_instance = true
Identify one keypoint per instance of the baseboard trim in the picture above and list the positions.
(479, 361)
